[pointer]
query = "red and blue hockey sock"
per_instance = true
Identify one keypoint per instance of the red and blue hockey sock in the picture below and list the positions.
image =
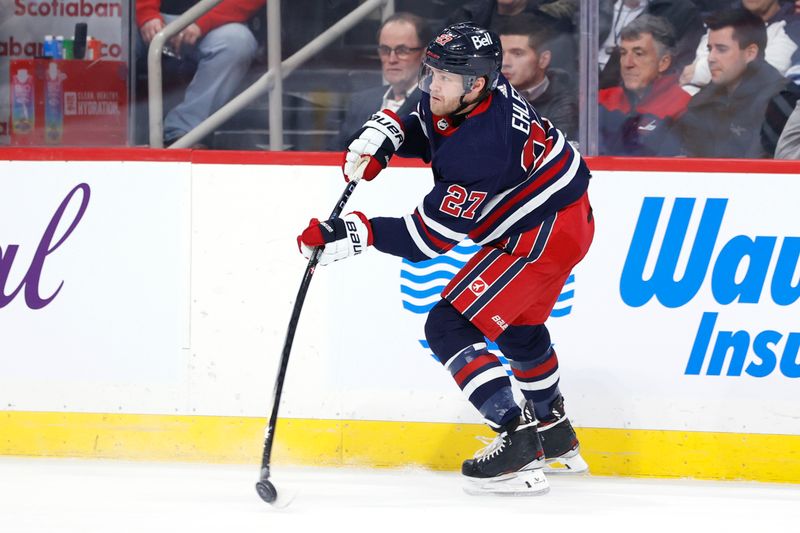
(484, 381)
(538, 380)
(534, 364)
(461, 348)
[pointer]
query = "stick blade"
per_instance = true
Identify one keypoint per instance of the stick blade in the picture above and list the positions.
(267, 491)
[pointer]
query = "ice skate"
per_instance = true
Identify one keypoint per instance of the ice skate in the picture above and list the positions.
(559, 441)
(512, 464)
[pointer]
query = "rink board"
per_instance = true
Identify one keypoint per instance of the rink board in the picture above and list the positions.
(145, 304)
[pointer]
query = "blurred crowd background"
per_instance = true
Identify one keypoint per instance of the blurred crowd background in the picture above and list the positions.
(712, 78)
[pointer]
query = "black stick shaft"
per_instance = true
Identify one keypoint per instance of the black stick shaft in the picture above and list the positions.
(269, 437)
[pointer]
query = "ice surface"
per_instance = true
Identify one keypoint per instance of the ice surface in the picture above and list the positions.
(88, 496)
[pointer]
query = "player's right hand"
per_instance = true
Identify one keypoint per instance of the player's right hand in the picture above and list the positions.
(341, 237)
(379, 139)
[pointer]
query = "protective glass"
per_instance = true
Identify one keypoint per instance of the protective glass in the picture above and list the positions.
(402, 51)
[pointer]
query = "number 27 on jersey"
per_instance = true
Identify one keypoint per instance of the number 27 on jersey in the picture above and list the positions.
(461, 203)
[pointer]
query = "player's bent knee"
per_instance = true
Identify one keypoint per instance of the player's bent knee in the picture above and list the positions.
(448, 332)
(525, 343)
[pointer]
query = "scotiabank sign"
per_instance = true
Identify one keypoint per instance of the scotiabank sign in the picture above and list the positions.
(24, 24)
(753, 271)
(60, 8)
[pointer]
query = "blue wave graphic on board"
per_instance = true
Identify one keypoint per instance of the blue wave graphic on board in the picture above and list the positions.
(424, 278)
(421, 284)
(563, 305)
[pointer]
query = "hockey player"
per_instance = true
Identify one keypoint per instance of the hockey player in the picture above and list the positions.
(507, 179)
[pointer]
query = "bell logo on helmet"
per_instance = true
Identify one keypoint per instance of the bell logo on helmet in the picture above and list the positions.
(480, 41)
(444, 38)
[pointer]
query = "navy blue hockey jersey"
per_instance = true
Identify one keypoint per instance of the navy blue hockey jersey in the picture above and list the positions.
(501, 171)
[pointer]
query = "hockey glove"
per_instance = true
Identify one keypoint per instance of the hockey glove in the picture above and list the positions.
(379, 139)
(342, 237)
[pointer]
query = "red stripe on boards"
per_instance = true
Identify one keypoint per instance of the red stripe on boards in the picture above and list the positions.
(233, 157)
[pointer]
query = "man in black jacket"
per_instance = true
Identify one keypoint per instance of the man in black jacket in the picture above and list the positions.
(724, 119)
(526, 61)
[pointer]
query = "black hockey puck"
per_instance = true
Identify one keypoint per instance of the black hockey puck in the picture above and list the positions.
(267, 491)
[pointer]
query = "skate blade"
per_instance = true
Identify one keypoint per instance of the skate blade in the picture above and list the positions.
(569, 463)
(522, 483)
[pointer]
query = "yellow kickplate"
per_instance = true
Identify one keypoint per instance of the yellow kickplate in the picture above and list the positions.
(438, 446)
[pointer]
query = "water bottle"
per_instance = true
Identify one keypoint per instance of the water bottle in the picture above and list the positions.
(58, 50)
(53, 104)
(22, 111)
(49, 46)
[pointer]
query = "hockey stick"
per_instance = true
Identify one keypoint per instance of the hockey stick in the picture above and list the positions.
(264, 487)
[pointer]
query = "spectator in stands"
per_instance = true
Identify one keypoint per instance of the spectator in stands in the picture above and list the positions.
(724, 119)
(526, 61)
(221, 45)
(489, 13)
(493, 13)
(708, 7)
(565, 11)
(683, 15)
(636, 117)
(780, 107)
(402, 39)
(783, 37)
(789, 142)
(559, 15)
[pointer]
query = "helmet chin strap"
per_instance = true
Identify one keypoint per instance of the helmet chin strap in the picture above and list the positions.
(462, 105)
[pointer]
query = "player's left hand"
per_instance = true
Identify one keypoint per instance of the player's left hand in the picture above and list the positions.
(342, 237)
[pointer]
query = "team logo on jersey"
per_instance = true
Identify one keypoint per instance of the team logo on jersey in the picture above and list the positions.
(444, 38)
(478, 286)
(443, 124)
